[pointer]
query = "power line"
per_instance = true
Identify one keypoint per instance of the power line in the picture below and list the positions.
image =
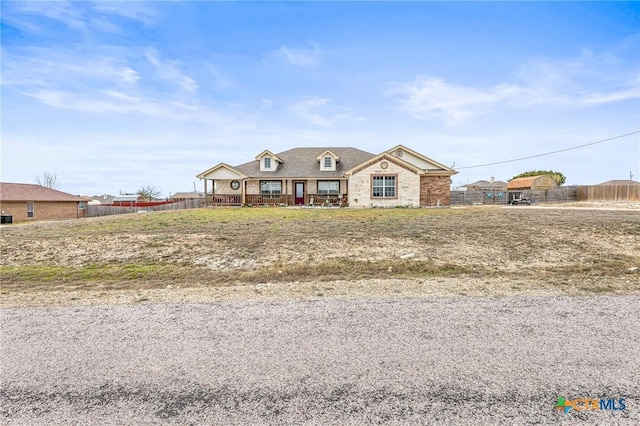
(549, 153)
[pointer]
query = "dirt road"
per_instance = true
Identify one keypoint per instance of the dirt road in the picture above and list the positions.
(435, 360)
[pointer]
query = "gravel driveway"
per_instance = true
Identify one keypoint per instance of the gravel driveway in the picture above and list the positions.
(446, 360)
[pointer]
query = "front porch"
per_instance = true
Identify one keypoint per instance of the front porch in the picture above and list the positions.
(329, 200)
(223, 187)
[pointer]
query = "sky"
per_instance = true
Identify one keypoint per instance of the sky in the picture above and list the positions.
(115, 96)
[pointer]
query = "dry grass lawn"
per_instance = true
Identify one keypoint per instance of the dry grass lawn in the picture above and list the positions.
(283, 253)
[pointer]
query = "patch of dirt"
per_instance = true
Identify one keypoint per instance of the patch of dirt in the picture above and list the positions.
(512, 250)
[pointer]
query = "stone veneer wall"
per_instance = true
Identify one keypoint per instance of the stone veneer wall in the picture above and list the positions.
(223, 186)
(435, 191)
(408, 183)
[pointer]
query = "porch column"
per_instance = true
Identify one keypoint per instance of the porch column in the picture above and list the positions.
(206, 200)
(244, 192)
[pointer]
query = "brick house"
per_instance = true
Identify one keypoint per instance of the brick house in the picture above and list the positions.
(337, 176)
(28, 202)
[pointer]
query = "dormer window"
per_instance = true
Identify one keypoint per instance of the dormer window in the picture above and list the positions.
(328, 161)
(268, 161)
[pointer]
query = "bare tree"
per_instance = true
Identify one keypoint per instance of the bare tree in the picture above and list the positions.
(150, 192)
(48, 180)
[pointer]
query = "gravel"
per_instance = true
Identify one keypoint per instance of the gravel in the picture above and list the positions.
(435, 360)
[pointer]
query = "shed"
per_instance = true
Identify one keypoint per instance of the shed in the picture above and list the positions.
(534, 183)
(127, 199)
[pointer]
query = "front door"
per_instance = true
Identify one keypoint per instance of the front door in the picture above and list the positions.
(299, 193)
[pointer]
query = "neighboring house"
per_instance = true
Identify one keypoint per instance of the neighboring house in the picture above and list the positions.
(533, 183)
(184, 196)
(485, 185)
(127, 200)
(621, 182)
(337, 176)
(105, 199)
(26, 202)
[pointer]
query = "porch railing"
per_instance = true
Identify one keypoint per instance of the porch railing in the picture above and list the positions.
(325, 199)
(267, 200)
(276, 200)
(224, 199)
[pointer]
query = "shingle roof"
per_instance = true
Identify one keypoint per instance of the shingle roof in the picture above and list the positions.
(32, 192)
(620, 182)
(303, 163)
(487, 184)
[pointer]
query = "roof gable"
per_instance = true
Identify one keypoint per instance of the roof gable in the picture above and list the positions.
(221, 171)
(265, 153)
(328, 153)
(419, 160)
(385, 156)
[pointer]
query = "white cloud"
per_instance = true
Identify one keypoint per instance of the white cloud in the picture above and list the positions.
(583, 82)
(434, 98)
(45, 67)
(307, 110)
(170, 71)
(219, 80)
(298, 57)
(114, 102)
(61, 11)
(83, 17)
(140, 11)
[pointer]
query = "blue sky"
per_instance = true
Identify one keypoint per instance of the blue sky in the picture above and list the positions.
(113, 96)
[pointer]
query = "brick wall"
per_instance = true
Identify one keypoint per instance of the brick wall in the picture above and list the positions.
(435, 191)
(43, 210)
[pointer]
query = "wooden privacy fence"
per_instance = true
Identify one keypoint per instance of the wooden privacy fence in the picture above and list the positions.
(477, 197)
(95, 211)
(609, 193)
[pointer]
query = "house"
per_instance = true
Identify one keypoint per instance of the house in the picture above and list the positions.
(620, 182)
(338, 176)
(105, 199)
(486, 185)
(27, 202)
(184, 196)
(533, 183)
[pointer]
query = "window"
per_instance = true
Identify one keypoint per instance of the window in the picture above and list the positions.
(383, 186)
(328, 162)
(267, 162)
(328, 186)
(271, 187)
(81, 205)
(30, 210)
